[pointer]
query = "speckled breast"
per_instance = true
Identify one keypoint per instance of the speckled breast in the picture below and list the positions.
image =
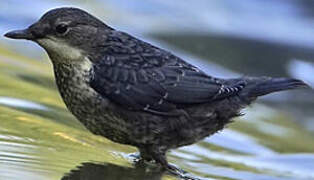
(86, 105)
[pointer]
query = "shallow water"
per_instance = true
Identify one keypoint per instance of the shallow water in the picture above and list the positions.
(40, 139)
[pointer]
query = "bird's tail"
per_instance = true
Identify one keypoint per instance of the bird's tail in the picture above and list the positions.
(264, 85)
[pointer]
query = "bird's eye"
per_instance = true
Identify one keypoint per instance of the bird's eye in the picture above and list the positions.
(61, 28)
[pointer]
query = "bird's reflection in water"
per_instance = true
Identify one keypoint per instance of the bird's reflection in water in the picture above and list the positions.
(106, 171)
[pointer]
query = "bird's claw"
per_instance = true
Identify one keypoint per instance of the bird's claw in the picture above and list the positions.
(175, 170)
(172, 169)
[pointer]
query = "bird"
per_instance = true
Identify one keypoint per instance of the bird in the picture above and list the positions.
(135, 93)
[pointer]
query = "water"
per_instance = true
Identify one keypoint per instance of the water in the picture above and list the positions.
(40, 139)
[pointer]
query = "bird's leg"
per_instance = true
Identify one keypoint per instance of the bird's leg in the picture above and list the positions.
(157, 154)
(145, 154)
(160, 157)
(149, 153)
(143, 157)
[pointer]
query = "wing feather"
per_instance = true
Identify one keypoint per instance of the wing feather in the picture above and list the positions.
(150, 79)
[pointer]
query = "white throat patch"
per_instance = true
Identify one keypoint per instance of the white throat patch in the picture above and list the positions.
(60, 49)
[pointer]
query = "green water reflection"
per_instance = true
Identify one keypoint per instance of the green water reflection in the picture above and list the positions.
(40, 139)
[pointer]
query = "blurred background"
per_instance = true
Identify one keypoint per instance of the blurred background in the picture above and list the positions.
(40, 139)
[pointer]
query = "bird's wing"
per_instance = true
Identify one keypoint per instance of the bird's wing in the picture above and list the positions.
(154, 80)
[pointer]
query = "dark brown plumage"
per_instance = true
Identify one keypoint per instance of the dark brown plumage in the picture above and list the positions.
(135, 93)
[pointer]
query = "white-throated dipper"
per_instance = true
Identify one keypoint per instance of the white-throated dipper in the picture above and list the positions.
(134, 93)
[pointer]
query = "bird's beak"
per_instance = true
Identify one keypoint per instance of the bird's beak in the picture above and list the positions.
(20, 34)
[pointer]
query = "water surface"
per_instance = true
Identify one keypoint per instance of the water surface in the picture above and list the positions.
(40, 139)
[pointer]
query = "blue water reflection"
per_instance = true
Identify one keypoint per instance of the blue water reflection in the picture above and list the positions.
(285, 26)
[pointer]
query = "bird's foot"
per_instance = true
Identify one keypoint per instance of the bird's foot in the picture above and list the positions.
(178, 172)
(150, 165)
(175, 170)
(135, 157)
(139, 162)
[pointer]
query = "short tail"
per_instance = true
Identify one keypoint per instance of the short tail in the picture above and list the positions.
(264, 85)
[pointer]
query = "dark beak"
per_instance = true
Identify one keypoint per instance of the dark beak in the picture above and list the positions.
(20, 34)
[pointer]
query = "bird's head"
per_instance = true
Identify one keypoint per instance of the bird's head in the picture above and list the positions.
(65, 33)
